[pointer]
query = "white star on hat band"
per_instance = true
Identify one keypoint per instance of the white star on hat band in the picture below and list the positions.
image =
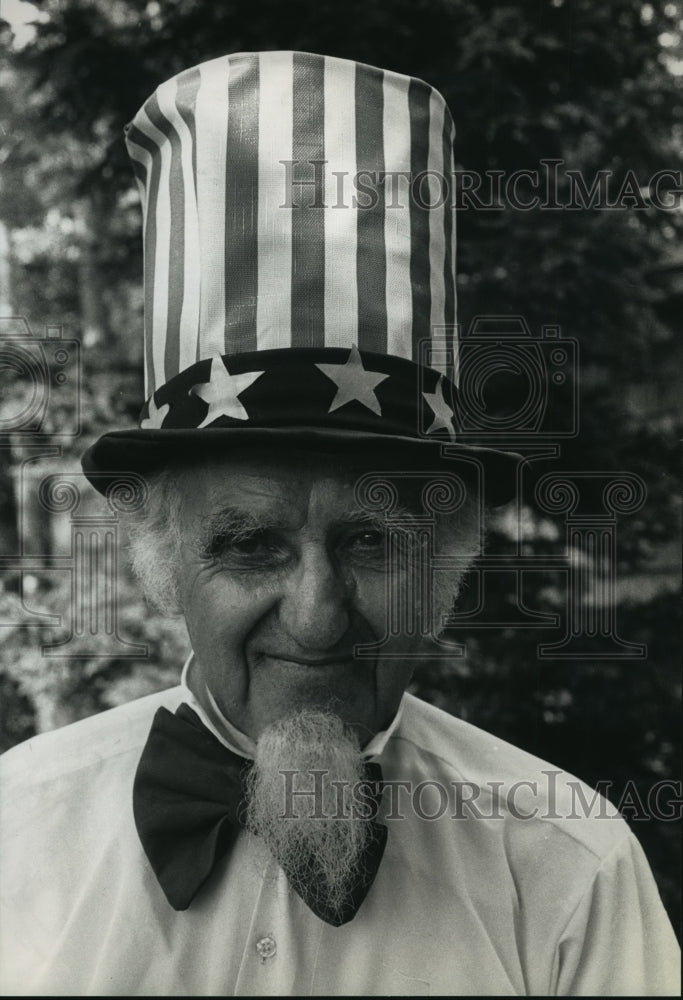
(222, 392)
(443, 413)
(354, 382)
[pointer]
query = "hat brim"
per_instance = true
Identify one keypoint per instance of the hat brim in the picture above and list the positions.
(118, 454)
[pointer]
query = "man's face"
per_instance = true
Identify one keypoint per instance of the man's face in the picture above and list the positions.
(281, 576)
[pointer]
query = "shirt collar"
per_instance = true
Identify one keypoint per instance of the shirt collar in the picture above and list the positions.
(237, 741)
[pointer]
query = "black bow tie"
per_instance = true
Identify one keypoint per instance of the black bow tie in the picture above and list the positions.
(188, 798)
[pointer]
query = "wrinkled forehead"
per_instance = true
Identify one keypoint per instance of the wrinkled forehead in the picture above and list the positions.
(283, 481)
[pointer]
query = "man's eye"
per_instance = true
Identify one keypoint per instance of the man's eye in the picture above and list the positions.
(382, 548)
(248, 546)
(367, 545)
(372, 538)
(246, 549)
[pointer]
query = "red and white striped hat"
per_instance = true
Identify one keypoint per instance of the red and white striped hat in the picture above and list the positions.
(299, 246)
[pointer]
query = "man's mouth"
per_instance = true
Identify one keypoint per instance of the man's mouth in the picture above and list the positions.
(338, 659)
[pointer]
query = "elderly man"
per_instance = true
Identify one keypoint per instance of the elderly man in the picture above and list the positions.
(288, 820)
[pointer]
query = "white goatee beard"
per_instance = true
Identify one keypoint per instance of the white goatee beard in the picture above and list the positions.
(318, 841)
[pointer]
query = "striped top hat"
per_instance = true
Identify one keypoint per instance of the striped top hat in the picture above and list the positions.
(299, 258)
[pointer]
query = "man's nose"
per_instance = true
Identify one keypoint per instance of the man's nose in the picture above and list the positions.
(314, 609)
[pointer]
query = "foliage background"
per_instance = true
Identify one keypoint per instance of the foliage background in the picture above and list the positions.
(595, 85)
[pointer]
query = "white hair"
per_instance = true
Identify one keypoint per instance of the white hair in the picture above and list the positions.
(319, 844)
(156, 533)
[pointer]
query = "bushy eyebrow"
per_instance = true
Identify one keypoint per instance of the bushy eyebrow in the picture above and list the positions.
(400, 518)
(236, 523)
(237, 519)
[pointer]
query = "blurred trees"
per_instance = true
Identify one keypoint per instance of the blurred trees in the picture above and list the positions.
(595, 87)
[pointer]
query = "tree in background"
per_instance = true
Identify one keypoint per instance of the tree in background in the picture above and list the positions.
(591, 87)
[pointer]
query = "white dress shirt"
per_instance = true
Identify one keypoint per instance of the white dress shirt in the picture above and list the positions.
(481, 901)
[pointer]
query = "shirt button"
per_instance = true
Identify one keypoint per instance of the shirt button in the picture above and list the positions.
(266, 947)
